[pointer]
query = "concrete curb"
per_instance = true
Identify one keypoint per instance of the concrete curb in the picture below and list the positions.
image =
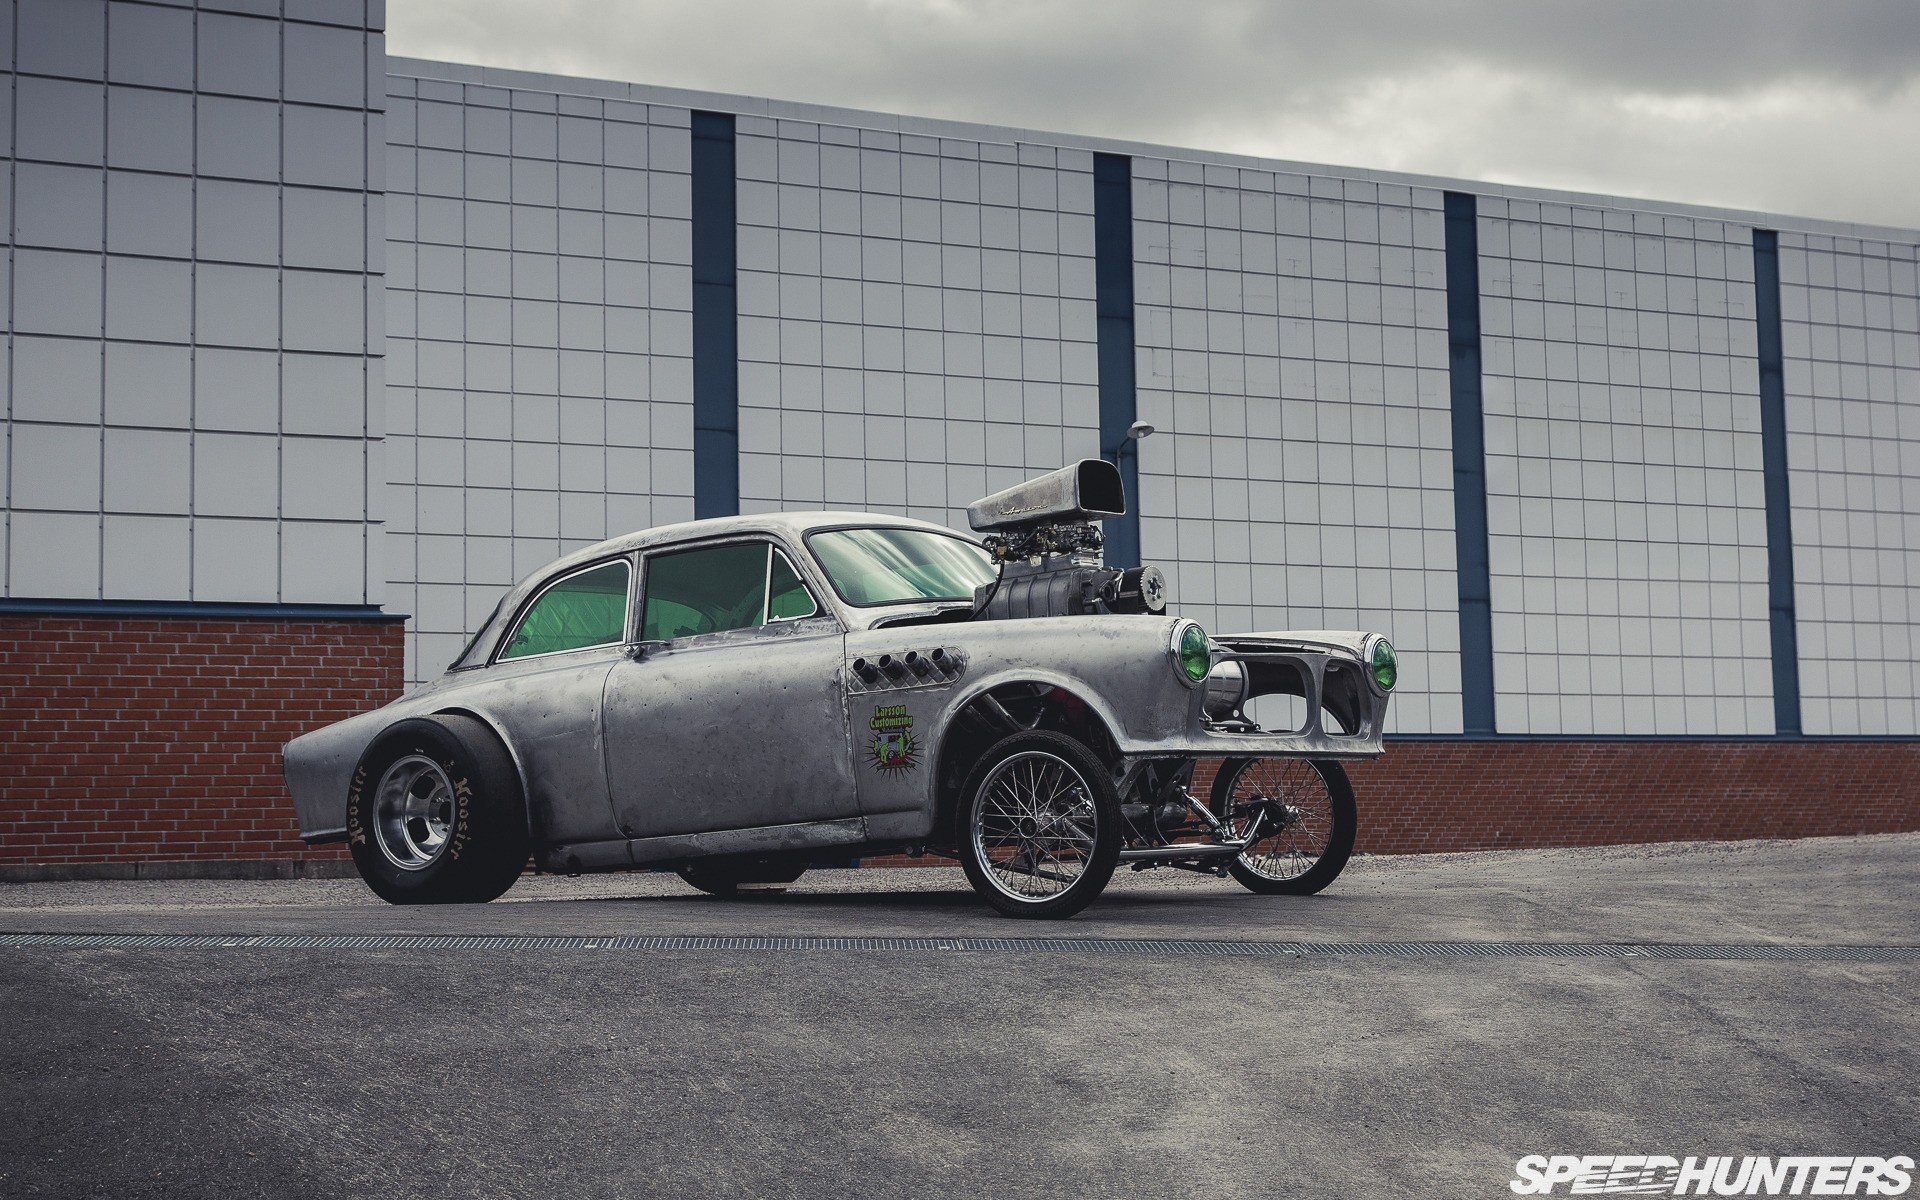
(265, 868)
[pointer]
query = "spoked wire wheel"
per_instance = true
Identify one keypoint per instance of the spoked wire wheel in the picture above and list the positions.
(1040, 833)
(1306, 821)
(413, 807)
(1035, 826)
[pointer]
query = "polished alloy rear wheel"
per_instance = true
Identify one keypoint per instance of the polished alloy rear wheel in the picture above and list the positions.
(436, 813)
(413, 810)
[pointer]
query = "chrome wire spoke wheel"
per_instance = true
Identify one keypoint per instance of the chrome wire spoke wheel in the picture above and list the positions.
(1034, 826)
(413, 812)
(1295, 811)
(1038, 825)
(1300, 815)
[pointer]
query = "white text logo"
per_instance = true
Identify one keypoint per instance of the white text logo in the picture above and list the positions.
(1662, 1175)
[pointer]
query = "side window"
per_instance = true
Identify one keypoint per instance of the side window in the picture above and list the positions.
(717, 588)
(585, 609)
(787, 597)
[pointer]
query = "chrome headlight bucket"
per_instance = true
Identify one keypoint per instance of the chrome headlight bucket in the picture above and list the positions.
(1190, 652)
(1380, 663)
(1227, 687)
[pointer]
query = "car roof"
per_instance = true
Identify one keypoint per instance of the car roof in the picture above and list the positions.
(793, 525)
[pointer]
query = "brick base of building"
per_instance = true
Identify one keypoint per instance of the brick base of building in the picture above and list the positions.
(135, 748)
(1441, 796)
(157, 741)
(1425, 797)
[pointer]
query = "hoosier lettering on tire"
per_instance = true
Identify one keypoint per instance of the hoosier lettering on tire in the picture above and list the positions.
(436, 814)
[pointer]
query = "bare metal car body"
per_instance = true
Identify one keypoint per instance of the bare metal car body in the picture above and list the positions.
(842, 733)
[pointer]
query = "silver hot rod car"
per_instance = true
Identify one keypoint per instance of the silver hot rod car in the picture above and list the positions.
(741, 697)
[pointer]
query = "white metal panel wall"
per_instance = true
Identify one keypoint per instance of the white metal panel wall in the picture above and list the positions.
(197, 238)
(916, 317)
(1850, 333)
(1292, 348)
(1626, 507)
(540, 338)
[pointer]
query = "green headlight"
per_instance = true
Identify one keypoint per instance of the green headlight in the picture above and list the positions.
(1193, 654)
(1386, 667)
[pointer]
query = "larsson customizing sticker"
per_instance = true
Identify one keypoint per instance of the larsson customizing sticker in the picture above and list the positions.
(893, 747)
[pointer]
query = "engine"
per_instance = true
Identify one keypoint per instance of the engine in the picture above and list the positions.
(1044, 533)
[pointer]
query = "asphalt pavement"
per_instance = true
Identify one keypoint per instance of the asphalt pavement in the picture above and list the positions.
(1681, 999)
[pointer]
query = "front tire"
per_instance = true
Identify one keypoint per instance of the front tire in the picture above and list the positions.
(1039, 826)
(1307, 834)
(436, 814)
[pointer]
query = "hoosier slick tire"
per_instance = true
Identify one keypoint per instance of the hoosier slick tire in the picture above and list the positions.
(436, 814)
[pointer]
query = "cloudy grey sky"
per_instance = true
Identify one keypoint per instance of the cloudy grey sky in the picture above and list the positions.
(1808, 108)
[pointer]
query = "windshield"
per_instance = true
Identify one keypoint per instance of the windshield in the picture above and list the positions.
(895, 566)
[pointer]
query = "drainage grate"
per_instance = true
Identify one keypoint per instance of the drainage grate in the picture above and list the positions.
(1027, 945)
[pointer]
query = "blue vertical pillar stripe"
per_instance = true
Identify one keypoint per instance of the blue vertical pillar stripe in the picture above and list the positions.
(1113, 293)
(1773, 461)
(1469, 465)
(716, 337)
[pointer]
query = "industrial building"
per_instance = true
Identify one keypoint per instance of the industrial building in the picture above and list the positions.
(312, 351)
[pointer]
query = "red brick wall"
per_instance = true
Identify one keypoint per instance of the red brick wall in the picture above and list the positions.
(1423, 797)
(159, 739)
(1431, 797)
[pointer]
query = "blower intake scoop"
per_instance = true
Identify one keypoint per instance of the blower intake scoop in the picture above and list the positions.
(1044, 535)
(1088, 490)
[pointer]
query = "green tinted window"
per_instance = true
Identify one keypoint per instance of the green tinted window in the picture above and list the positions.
(787, 597)
(588, 609)
(888, 566)
(719, 588)
(705, 591)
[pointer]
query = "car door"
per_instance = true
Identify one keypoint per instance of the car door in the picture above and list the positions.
(726, 715)
(546, 684)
